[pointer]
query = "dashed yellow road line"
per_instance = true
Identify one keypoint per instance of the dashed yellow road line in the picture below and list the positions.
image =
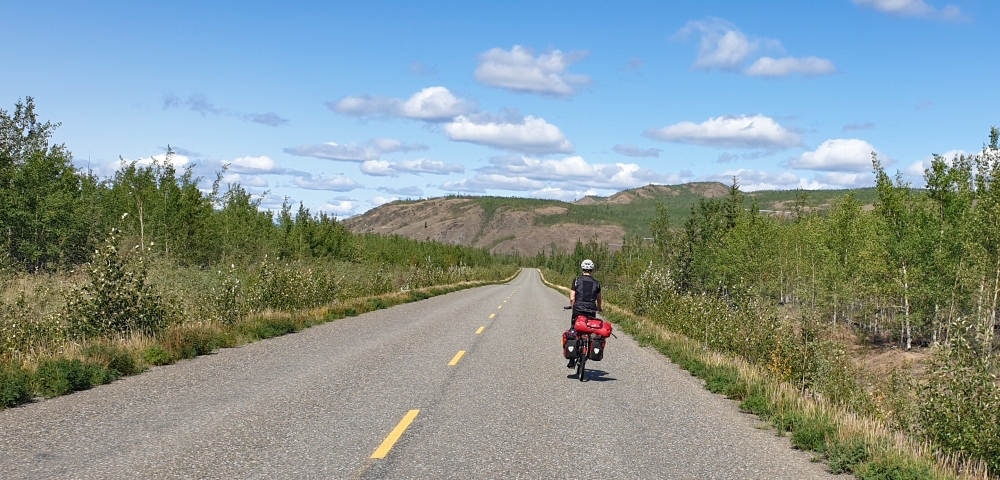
(397, 432)
(455, 360)
(492, 315)
(480, 329)
(501, 306)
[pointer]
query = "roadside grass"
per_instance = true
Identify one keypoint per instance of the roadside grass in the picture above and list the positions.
(849, 443)
(89, 363)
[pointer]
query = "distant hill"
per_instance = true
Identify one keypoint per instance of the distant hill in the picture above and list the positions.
(527, 225)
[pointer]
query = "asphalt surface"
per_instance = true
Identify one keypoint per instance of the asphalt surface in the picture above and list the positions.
(317, 404)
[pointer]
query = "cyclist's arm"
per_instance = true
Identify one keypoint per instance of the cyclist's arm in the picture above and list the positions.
(599, 302)
(572, 297)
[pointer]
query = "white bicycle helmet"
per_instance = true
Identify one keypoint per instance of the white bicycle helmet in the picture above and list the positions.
(587, 265)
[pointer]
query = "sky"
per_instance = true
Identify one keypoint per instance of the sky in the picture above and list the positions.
(344, 106)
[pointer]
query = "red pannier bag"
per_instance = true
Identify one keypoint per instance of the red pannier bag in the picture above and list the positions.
(582, 324)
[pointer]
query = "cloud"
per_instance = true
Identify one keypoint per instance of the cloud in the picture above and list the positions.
(178, 161)
(420, 69)
(405, 191)
(181, 151)
(778, 67)
(634, 151)
(336, 183)
(837, 155)
(270, 119)
(340, 206)
(463, 185)
(380, 200)
(634, 64)
(724, 47)
(386, 168)
(236, 178)
(754, 180)
(352, 152)
(734, 131)
(197, 102)
(555, 193)
(913, 8)
(917, 168)
(261, 164)
(519, 70)
(570, 173)
(432, 104)
(859, 126)
(529, 135)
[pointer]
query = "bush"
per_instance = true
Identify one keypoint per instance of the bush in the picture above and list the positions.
(14, 386)
(189, 342)
(811, 432)
(119, 362)
(845, 454)
(271, 327)
(60, 376)
(117, 300)
(156, 355)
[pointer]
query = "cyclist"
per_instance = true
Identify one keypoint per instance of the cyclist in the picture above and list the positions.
(584, 296)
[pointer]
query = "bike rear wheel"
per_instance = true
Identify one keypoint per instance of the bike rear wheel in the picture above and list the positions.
(582, 361)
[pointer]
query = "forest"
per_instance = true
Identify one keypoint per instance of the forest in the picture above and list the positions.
(802, 295)
(101, 278)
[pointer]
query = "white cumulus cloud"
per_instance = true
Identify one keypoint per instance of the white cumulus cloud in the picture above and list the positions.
(779, 67)
(917, 168)
(432, 104)
(236, 178)
(837, 155)
(261, 164)
(913, 8)
(529, 135)
(724, 47)
(178, 161)
(340, 207)
(336, 183)
(380, 200)
(734, 131)
(519, 70)
(353, 152)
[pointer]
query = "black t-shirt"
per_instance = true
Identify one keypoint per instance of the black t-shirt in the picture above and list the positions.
(587, 288)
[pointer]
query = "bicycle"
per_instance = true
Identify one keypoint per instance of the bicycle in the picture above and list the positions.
(587, 344)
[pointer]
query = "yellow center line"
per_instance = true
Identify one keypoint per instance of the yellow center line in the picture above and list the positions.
(501, 306)
(397, 432)
(492, 315)
(480, 330)
(455, 360)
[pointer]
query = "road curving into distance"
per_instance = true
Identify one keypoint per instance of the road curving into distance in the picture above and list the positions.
(471, 384)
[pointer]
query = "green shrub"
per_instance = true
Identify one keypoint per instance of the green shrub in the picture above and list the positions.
(271, 327)
(120, 362)
(14, 386)
(891, 468)
(350, 312)
(60, 376)
(845, 454)
(156, 355)
(377, 303)
(191, 342)
(117, 300)
(811, 431)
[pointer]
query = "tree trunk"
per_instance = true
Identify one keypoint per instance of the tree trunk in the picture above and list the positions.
(906, 308)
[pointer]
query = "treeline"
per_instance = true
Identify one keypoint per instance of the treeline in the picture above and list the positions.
(918, 268)
(146, 267)
(54, 217)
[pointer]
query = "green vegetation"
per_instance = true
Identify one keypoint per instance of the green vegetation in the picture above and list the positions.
(104, 278)
(793, 298)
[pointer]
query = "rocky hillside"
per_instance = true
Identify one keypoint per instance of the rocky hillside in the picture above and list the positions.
(464, 221)
(527, 226)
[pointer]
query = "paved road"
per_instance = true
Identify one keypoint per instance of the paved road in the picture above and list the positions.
(317, 404)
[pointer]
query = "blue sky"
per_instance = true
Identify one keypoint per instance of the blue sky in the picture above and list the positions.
(344, 106)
